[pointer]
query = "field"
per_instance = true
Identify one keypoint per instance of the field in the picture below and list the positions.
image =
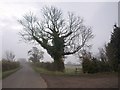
(69, 70)
(72, 66)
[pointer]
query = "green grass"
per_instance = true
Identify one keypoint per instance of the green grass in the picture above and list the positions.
(9, 72)
(71, 72)
(68, 71)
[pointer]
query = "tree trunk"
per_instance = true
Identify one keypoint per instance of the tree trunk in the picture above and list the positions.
(59, 64)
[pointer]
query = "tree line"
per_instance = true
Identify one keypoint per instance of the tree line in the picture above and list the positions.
(9, 62)
(109, 56)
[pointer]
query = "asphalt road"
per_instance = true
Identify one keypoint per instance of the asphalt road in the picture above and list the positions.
(24, 78)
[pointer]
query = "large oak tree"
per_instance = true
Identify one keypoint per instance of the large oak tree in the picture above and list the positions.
(58, 35)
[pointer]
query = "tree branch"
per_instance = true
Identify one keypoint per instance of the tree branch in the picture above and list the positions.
(67, 34)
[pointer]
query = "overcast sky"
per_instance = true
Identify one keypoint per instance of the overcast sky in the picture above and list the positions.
(101, 16)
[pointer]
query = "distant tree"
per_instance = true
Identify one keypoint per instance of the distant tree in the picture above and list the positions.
(103, 63)
(85, 53)
(102, 54)
(35, 54)
(59, 36)
(113, 48)
(85, 57)
(9, 55)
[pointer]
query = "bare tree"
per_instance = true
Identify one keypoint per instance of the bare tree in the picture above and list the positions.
(59, 36)
(10, 56)
(35, 54)
(102, 54)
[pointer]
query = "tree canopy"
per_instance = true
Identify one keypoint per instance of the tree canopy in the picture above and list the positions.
(58, 35)
(35, 54)
(9, 55)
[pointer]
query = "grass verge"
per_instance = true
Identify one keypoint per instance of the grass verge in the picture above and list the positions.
(9, 72)
(0, 74)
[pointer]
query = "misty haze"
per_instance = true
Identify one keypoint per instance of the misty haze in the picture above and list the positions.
(59, 44)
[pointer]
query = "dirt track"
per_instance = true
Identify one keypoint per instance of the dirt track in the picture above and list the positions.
(93, 81)
(24, 78)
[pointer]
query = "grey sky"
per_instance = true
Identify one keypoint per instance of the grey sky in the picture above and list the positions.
(101, 16)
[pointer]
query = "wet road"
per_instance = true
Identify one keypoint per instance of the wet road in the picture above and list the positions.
(26, 77)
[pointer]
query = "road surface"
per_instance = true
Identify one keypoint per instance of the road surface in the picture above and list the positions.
(24, 78)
